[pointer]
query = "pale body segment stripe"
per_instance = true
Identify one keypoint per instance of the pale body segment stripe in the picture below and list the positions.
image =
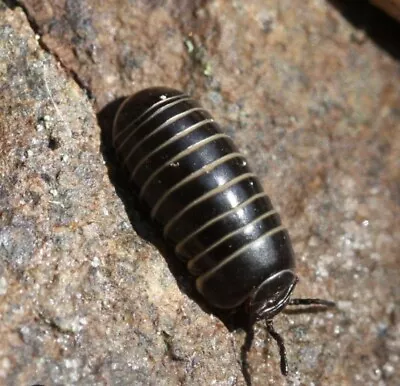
(180, 245)
(152, 107)
(205, 169)
(163, 126)
(157, 112)
(120, 108)
(195, 259)
(204, 197)
(200, 280)
(177, 136)
(180, 155)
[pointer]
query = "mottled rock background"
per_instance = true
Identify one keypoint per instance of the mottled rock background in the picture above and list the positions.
(310, 93)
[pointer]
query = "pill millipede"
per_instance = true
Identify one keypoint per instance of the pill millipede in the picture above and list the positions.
(209, 204)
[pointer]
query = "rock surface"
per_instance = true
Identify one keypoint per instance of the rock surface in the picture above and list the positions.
(312, 101)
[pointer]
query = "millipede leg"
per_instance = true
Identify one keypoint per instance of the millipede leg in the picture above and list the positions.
(307, 302)
(281, 344)
(244, 353)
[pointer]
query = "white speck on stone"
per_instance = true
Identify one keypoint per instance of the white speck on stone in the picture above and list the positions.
(377, 373)
(321, 270)
(47, 121)
(95, 262)
(71, 363)
(105, 211)
(29, 153)
(375, 190)
(25, 330)
(163, 97)
(58, 203)
(3, 285)
(189, 45)
(73, 366)
(388, 369)
(345, 305)
(83, 321)
(64, 157)
(313, 241)
(39, 127)
(5, 365)
(375, 256)
(54, 192)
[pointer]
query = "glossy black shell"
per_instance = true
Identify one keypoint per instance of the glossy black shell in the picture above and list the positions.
(211, 206)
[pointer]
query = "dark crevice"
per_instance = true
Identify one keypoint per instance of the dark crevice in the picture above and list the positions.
(37, 30)
(53, 324)
(377, 25)
(10, 3)
(171, 351)
(53, 144)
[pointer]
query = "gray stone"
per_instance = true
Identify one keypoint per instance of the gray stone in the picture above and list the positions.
(84, 299)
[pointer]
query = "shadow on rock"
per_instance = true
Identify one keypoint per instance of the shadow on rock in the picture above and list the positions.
(377, 25)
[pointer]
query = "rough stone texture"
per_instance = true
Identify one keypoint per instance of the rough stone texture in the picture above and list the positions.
(311, 99)
(82, 299)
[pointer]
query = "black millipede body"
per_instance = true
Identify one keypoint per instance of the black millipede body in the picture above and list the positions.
(209, 203)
